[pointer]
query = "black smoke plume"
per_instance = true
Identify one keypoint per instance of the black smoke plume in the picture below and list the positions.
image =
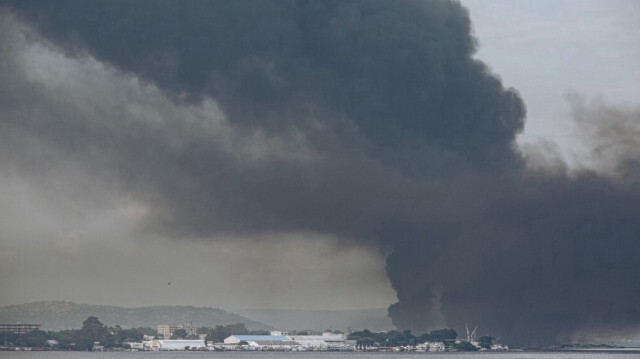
(391, 135)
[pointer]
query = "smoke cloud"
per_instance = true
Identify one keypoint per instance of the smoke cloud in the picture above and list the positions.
(369, 121)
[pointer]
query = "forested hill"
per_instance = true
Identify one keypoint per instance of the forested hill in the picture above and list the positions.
(58, 315)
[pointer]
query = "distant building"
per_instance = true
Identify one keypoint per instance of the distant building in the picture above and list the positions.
(321, 342)
(278, 342)
(236, 339)
(175, 344)
(282, 333)
(18, 328)
(435, 346)
(166, 330)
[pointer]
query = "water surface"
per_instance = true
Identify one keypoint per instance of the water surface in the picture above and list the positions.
(312, 355)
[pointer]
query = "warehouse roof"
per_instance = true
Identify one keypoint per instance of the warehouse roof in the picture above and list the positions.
(253, 338)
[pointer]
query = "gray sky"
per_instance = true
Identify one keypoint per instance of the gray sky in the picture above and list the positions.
(71, 235)
(547, 49)
(328, 157)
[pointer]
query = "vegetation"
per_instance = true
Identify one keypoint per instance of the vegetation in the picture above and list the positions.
(465, 346)
(35, 338)
(401, 338)
(94, 332)
(404, 338)
(485, 342)
(77, 339)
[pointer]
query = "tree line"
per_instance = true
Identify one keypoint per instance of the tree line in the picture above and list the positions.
(395, 338)
(93, 331)
(78, 339)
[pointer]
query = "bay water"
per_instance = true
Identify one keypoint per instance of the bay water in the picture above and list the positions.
(316, 355)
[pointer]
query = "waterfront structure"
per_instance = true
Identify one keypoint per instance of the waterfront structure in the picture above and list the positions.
(166, 330)
(274, 342)
(325, 341)
(134, 345)
(18, 328)
(236, 339)
(175, 344)
(435, 346)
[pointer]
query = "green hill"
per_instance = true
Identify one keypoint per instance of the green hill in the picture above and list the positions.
(58, 315)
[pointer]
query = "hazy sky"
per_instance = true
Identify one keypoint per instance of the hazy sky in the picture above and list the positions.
(68, 234)
(282, 177)
(548, 49)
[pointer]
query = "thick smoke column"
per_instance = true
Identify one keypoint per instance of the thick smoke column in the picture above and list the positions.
(379, 98)
(375, 124)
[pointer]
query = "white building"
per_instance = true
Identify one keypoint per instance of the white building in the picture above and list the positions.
(18, 328)
(236, 339)
(275, 342)
(321, 342)
(435, 346)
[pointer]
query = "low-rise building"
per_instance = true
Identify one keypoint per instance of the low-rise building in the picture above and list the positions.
(325, 341)
(435, 346)
(18, 328)
(274, 342)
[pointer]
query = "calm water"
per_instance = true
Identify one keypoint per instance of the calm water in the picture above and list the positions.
(309, 355)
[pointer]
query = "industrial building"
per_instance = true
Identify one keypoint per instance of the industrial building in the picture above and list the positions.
(325, 341)
(18, 328)
(277, 342)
